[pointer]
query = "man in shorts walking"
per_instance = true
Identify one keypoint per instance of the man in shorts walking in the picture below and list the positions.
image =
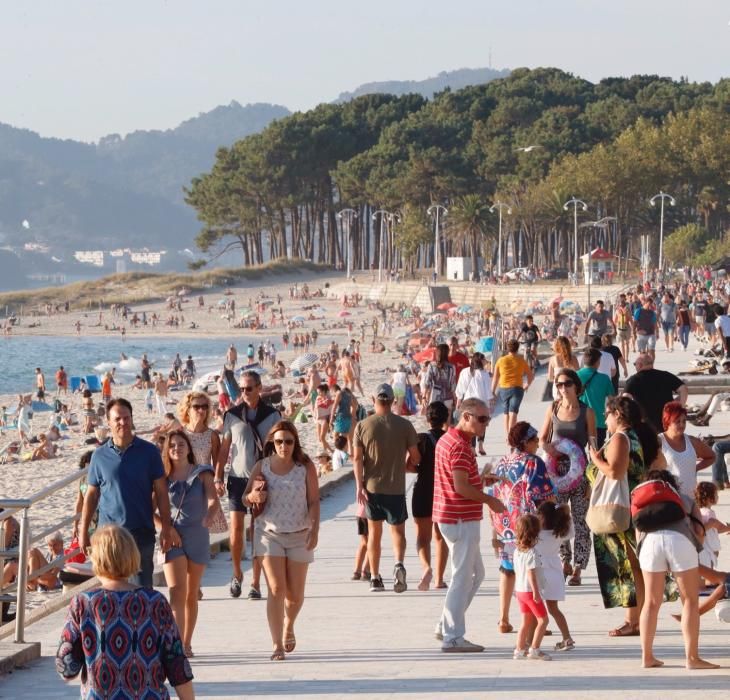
(385, 446)
(646, 329)
(245, 428)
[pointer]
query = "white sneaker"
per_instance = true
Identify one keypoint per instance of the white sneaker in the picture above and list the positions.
(538, 655)
(461, 646)
(519, 654)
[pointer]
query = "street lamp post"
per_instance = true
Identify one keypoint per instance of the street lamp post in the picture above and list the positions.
(500, 205)
(575, 202)
(384, 214)
(346, 216)
(662, 196)
(435, 210)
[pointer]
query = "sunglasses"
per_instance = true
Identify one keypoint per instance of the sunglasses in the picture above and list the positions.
(199, 406)
(480, 419)
(287, 441)
(250, 387)
(560, 385)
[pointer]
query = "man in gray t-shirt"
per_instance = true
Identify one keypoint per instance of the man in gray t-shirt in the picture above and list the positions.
(245, 428)
(598, 321)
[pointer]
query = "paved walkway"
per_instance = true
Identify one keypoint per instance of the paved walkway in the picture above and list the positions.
(352, 642)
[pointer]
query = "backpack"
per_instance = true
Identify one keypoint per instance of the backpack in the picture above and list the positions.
(654, 505)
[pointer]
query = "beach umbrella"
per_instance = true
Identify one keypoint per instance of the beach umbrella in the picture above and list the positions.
(484, 344)
(446, 306)
(298, 319)
(256, 367)
(342, 314)
(568, 304)
(304, 361)
(427, 354)
(465, 308)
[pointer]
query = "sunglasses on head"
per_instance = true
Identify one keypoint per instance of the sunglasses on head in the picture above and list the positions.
(284, 441)
(560, 385)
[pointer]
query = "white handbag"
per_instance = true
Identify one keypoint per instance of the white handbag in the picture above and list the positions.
(609, 507)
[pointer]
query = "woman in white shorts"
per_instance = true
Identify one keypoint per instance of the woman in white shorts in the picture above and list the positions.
(674, 548)
(286, 531)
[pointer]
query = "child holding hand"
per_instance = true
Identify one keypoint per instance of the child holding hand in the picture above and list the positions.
(528, 575)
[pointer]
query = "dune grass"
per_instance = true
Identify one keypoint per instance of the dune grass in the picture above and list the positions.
(131, 287)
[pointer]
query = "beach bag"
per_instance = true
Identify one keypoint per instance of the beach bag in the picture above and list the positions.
(609, 507)
(547, 393)
(78, 558)
(259, 484)
(654, 505)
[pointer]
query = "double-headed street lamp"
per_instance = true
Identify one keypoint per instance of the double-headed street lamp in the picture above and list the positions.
(391, 218)
(346, 216)
(500, 205)
(662, 196)
(575, 202)
(435, 210)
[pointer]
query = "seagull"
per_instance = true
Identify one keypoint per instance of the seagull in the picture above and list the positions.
(527, 149)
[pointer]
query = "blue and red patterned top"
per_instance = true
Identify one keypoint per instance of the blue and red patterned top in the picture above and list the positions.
(125, 644)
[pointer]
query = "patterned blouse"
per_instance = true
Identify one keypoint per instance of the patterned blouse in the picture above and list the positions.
(124, 644)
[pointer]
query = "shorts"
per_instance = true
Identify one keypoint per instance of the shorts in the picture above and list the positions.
(362, 527)
(511, 398)
(387, 507)
(624, 334)
(291, 545)
(710, 328)
(667, 550)
(668, 327)
(529, 606)
(645, 342)
(700, 321)
(236, 486)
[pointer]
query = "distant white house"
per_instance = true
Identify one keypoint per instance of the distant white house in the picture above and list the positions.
(459, 269)
(90, 257)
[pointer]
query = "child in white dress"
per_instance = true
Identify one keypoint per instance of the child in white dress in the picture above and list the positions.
(556, 526)
(706, 497)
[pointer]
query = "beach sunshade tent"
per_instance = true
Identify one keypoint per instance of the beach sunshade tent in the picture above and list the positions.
(446, 306)
(464, 308)
(298, 319)
(485, 344)
(304, 361)
(427, 354)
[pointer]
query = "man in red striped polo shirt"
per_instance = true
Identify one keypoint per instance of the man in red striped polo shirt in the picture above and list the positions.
(458, 504)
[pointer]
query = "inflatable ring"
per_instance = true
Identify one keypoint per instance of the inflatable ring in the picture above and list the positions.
(566, 482)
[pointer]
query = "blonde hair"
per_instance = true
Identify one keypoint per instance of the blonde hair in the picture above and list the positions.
(563, 351)
(183, 408)
(114, 552)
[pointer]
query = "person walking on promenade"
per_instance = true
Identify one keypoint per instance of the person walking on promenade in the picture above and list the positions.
(385, 446)
(475, 382)
(244, 429)
(146, 647)
(623, 321)
(599, 320)
(440, 381)
(286, 531)
(437, 416)
(646, 328)
(193, 496)
(596, 388)
(512, 377)
(653, 388)
(458, 505)
(522, 484)
(569, 419)
(562, 357)
(194, 414)
(123, 474)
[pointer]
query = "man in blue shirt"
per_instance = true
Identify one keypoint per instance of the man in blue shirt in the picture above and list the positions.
(123, 474)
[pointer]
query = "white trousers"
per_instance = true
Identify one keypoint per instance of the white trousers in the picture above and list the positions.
(467, 574)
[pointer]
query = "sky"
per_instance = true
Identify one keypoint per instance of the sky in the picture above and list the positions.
(83, 69)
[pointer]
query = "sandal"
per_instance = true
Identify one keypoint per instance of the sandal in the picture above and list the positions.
(290, 644)
(505, 627)
(278, 655)
(625, 630)
(188, 650)
(574, 580)
(565, 645)
(356, 576)
(567, 569)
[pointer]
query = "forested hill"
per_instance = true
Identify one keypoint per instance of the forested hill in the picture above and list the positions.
(123, 189)
(454, 80)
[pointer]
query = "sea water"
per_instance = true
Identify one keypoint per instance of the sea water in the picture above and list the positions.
(20, 355)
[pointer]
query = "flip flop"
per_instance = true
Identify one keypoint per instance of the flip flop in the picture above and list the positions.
(278, 655)
(290, 644)
(625, 630)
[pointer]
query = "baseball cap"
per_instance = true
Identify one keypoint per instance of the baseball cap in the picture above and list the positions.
(384, 391)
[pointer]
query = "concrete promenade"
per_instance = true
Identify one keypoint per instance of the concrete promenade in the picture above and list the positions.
(354, 643)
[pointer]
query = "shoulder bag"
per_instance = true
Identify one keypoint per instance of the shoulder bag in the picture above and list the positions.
(609, 507)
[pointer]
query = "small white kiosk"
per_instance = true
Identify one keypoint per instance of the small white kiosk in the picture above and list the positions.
(598, 266)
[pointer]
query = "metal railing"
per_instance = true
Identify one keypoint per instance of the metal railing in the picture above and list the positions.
(17, 591)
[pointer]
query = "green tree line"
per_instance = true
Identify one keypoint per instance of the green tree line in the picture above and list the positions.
(532, 140)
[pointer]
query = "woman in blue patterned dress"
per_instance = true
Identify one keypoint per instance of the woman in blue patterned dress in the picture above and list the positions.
(121, 638)
(524, 484)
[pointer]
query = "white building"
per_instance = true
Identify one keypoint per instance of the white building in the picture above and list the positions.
(91, 257)
(459, 269)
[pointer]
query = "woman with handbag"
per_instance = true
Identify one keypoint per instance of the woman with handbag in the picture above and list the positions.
(194, 505)
(568, 418)
(619, 462)
(286, 528)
